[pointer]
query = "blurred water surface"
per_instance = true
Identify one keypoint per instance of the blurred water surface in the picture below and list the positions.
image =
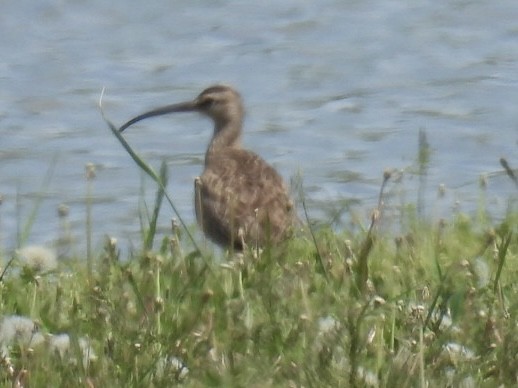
(335, 91)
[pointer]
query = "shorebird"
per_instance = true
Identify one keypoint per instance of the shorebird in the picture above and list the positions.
(240, 200)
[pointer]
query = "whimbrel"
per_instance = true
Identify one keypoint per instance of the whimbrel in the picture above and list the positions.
(239, 198)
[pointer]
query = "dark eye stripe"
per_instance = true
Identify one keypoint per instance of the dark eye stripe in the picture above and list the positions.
(206, 102)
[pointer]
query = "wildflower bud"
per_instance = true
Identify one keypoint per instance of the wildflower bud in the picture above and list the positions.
(113, 242)
(207, 295)
(63, 210)
(442, 190)
(483, 181)
(159, 304)
(490, 236)
(173, 243)
(90, 171)
(159, 260)
(425, 293)
(175, 226)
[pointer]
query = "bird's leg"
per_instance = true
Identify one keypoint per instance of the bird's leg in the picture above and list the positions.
(197, 202)
(256, 250)
(241, 237)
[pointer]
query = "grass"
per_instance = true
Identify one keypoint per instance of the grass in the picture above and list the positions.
(438, 308)
(435, 305)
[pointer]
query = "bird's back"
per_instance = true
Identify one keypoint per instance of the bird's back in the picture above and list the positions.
(240, 198)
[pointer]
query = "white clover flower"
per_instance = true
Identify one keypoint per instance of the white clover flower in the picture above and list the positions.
(16, 329)
(458, 351)
(37, 258)
(179, 367)
(327, 325)
(172, 365)
(369, 378)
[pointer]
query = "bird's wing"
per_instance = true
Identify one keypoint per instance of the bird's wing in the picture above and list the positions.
(240, 190)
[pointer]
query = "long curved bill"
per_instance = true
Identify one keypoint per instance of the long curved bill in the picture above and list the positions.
(188, 106)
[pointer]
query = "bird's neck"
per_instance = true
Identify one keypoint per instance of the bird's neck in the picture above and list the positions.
(226, 134)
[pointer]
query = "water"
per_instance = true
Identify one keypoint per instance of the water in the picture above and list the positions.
(336, 91)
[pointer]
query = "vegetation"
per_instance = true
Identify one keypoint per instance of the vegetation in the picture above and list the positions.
(436, 305)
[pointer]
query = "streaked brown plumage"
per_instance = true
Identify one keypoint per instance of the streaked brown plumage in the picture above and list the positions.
(239, 198)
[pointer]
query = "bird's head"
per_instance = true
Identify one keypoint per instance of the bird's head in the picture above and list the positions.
(221, 103)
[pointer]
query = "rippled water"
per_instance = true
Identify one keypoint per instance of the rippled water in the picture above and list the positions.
(336, 91)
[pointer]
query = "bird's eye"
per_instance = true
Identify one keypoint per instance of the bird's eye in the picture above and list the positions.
(207, 103)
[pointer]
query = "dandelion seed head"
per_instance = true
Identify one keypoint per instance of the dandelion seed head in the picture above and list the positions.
(87, 350)
(15, 329)
(37, 339)
(60, 344)
(37, 258)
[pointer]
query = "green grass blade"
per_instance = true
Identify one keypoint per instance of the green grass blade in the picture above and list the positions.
(27, 227)
(150, 235)
(502, 253)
